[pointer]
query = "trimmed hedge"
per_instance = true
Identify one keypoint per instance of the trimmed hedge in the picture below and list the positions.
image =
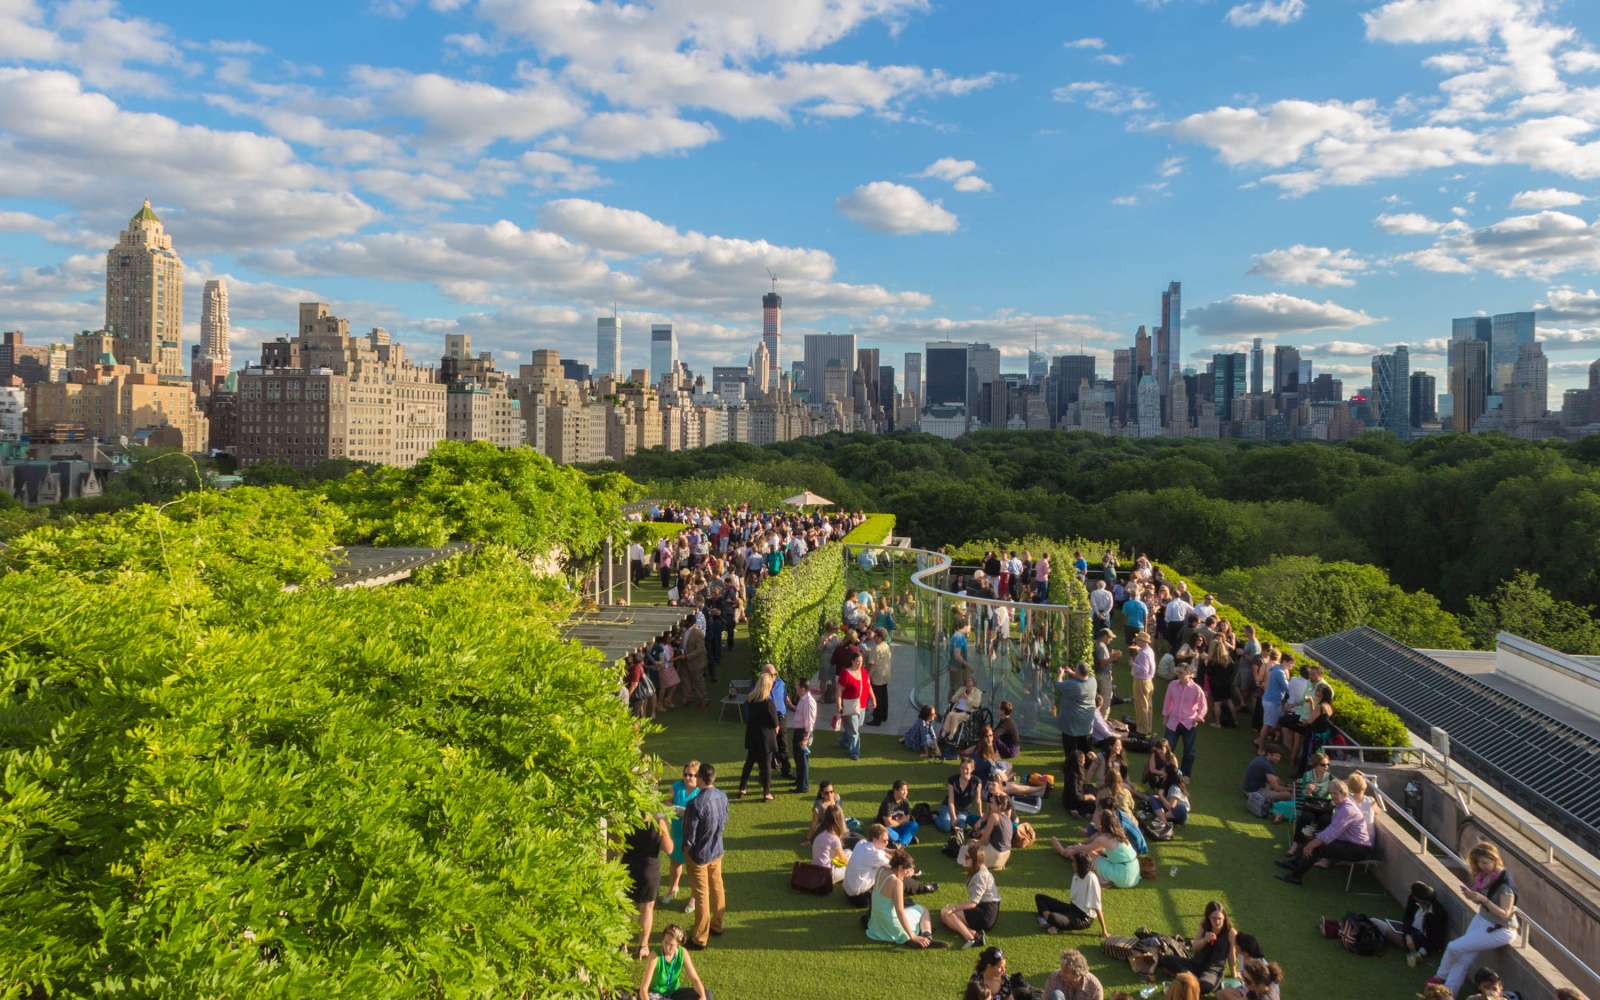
(1067, 590)
(872, 531)
(1361, 718)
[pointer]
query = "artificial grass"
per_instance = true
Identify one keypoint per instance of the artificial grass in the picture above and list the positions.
(781, 943)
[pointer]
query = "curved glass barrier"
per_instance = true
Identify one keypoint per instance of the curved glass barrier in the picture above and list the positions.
(1012, 649)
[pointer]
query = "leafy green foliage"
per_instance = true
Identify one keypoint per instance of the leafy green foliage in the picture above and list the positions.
(1302, 597)
(873, 531)
(787, 612)
(1524, 608)
(1452, 514)
(216, 786)
(479, 492)
(723, 491)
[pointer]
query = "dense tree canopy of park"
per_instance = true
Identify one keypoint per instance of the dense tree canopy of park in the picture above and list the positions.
(1476, 532)
(225, 778)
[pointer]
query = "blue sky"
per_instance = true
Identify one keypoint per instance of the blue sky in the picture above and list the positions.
(1334, 174)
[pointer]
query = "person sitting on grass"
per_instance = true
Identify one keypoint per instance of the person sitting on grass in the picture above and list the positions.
(981, 911)
(1083, 908)
(1073, 980)
(1074, 796)
(870, 854)
(1260, 776)
(1212, 953)
(1261, 981)
(1006, 738)
(923, 736)
(995, 832)
(826, 797)
(827, 847)
(990, 979)
(1487, 982)
(960, 798)
(1423, 930)
(1161, 760)
(895, 815)
(1184, 987)
(671, 975)
(1314, 795)
(1171, 803)
(1117, 792)
(891, 919)
(1116, 862)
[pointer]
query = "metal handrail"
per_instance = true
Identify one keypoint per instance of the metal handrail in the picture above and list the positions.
(1425, 837)
(1454, 777)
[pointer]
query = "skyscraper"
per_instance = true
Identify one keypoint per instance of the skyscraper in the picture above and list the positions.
(1169, 339)
(1528, 391)
(1227, 383)
(1471, 328)
(1469, 389)
(1391, 391)
(983, 371)
(946, 374)
(1424, 399)
(1258, 360)
(1038, 366)
(1285, 370)
(144, 295)
(821, 348)
(608, 347)
(214, 324)
(1074, 369)
(772, 330)
(663, 352)
(1509, 331)
(913, 389)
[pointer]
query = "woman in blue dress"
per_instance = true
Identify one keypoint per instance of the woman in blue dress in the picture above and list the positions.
(683, 792)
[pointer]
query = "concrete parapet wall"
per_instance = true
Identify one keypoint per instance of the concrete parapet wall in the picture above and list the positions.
(1560, 900)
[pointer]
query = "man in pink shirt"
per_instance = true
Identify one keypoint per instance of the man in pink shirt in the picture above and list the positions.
(1185, 709)
(1041, 579)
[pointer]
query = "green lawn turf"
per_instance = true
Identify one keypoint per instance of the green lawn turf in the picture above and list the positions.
(780, 943)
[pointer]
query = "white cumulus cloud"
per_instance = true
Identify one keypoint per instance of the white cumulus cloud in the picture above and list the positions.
(1273, 313)
(1546, 198)
(1102, 96)
(960, 173)
(1303, 265)
(1415, 224)
(1252, 15)
(895, 208)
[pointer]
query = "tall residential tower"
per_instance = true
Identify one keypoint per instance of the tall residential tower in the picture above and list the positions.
(608, 347)
(214, 324)
(144, 295)
(772, 331)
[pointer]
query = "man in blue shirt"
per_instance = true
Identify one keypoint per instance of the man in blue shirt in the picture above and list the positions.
(1134, 613)
(704, 819)
(959, 665)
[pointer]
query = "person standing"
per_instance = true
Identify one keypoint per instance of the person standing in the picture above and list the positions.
(1101, 603)
(694, 662)
(1075, 709)
(1134, 613)
(1144, 683)
(636, 567)
(704, 819)
(1041, 579)
(1105, 658)
(826, 645)
(852, 698)
(880, 666)
(802, 722)
(1184, 709)
(760, 734)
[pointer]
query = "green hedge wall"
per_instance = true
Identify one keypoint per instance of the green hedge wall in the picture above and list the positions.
(1361, 718)
(1067, 590)
(872, 531)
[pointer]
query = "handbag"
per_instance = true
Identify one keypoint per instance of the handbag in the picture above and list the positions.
(646, 688)
(811, 878)
(1147, 867)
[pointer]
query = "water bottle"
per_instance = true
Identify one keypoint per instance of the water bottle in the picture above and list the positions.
(1172, 872)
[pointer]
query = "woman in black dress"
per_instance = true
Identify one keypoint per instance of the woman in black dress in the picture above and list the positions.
(641, 856)
(1213, 951)
(760, 735)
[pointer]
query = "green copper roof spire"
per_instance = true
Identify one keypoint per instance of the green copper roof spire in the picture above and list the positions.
(145, 215)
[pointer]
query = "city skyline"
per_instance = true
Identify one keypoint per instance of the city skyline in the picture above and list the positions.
(485, 171)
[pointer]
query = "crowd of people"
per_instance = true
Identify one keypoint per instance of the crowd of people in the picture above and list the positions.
(987, 807)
